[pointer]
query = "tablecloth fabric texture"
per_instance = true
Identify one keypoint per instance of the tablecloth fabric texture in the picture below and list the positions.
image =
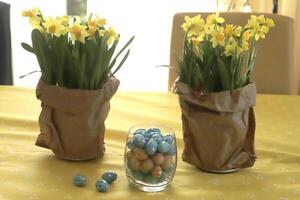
(31, 172)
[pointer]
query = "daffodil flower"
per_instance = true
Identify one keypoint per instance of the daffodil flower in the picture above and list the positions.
(64, 20)
(100, 21)
(112, 35)
(30, 13)
(78, 32)
(233, 31)
(194, 25)
(54, 26)
(218, 37)
(214, 19)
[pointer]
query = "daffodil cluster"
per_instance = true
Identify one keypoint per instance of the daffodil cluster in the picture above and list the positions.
(78, 29)
(74, 52)
(212, 49)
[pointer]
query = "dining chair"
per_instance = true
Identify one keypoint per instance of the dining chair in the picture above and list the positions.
(274, 69)
(5, 45)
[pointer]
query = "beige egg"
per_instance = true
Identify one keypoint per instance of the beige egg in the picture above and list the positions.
(147, 164)
(168, 161)
(158, 158)
(136, 164)
(156, 171)
(140, 154)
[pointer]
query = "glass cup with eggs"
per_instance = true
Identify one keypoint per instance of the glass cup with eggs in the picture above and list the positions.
(150, 157)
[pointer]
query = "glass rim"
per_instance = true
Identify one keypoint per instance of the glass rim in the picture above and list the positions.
(153, 124)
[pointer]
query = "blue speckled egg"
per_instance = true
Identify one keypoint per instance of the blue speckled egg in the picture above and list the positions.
(154, 130)
(151, 147)
(172, 150)
(109, 177)
(139, 131)
(79, 180)
(169, 139)
(130, 144)
(102, 186)
(163, 147)
(157, 137)
(139, 141)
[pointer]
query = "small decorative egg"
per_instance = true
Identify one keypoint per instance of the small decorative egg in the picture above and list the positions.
(156, 171)
(147, 164)
(158, 158)
(136, 164)
(102, 186)
(139, 131)
(163, 147)
(157, 137)
(79, 180)
(172, 150)
(139, 141)
(169, 139)
(151, 147)
(153, 130)
(109, 177)
(130, 144)
(168, 161)
(140, 154)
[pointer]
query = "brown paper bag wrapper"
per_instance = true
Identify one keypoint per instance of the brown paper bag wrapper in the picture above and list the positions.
(72, 120)
(218, 128)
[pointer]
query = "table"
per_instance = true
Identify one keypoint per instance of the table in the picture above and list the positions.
(31, 172)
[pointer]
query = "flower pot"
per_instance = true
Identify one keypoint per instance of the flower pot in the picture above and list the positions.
(72, 120)
(218, 128)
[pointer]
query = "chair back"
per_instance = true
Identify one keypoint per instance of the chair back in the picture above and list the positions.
(5, 45)
(274, 71)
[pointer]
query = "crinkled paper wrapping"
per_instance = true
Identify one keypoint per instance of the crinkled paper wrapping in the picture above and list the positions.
(72, 120)
(218, 128)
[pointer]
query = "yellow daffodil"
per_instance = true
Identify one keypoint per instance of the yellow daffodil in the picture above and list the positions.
(35, 23)
(194, 25)
(233, 31)
(232, 48)
(214, 19)
(218, 37)
(92, 30)
(54, 26)
(100, 21)
(253, 22)
(92, 27)
(64, 20)
(78, 32)
(246, 35)
(196, 40)
(30, 13)
(269, 22)
(34, 19)
(112, 35)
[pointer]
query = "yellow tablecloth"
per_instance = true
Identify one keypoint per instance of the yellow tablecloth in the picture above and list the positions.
(30, 172)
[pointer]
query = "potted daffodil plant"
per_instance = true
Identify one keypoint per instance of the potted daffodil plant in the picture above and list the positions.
(78, 62)
(216, 93)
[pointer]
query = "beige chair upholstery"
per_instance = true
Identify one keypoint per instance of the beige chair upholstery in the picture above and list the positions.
(274, 71)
